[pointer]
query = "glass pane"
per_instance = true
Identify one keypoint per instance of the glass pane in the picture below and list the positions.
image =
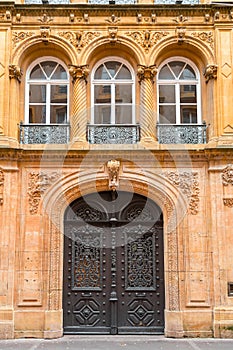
(37, 114)
(59, 73)
(123, 114)
(188, 73)
(48, 67)
(58, 114)
(123, 94)
(124, 73)
(188, 114)
(58, 94)
(166, 93)
(101, 73)
(113, 67)
(188, 94)
(37, 73)
(167, 114)
(176, 67)
(165, 73)
(102, 114)
(102, 94)
(37, 93)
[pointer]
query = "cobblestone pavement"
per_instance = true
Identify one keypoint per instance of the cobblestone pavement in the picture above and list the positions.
(117, 343)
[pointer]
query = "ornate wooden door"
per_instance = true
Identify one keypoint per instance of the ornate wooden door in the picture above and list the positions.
(113, 265)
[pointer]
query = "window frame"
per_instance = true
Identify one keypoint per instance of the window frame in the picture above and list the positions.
(48, 83)
(177, 83)
(112, 83)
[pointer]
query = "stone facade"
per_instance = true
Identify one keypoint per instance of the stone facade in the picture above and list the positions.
(191, 182)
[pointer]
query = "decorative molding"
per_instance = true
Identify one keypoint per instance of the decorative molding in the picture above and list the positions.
(188, 183)
(180, 19)
(20, 36)
(113, 19)
(180, 33)
(2, 69)
(1, 186)
(79, 72)
(226, 70)
(15, 72)
(112, 34)
(227, 175)
(45, 19)
(146, 72)
(147, 39)
(38, 183)
(207, 17)
(45, 33)
(113, 167)
(205, 36)
(228, 202)
(79, 39)
(210, 72)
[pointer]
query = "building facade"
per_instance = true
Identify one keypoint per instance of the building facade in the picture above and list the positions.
(116, 168)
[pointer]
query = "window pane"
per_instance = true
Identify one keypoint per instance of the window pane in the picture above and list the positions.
(124, 73)
(176, 67)
(123, 114)
(101, 73)
(37, 93)
(188, 114)
(165, 73)
(48, 67)
(167, 114)
(58, 114)
(102, 94)
(188, 94)
(113, 67)
(188, 73)
(59, 94)
(37, 114)
(37, 73)
(102, 114)
(166, 93)
(59, 73)
(123, 94)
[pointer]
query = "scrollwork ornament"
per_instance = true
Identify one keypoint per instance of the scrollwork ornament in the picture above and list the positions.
(228, 202)
(1, 186)
(205, 36)
(79, 39)
(146, 72)
(227, 175)
(20, 36)
(147, 39)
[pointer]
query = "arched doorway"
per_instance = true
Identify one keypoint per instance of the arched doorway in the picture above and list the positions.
(113, 265)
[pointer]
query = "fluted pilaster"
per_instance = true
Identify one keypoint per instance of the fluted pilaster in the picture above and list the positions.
(147, 111)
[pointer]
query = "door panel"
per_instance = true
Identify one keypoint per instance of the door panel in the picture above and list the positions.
(113, 267)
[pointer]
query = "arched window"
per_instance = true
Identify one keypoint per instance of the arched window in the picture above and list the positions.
(113, 92)
(178, 92)
(47, 88)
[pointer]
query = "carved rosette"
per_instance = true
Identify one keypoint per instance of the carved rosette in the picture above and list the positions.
(1, 186)
(227, 175)
(147, 39)
(113, 167)
(79, 39)
(188, 183)
(15, 72)
(210, 72)
(38, 183)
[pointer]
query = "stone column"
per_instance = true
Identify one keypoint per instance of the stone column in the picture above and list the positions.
(146, 76)
(79, 115)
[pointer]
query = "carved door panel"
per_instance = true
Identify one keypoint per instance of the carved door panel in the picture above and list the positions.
(113, 271)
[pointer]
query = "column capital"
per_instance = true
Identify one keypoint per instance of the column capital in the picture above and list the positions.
(79, 72)
(146, 72)
(15, 72)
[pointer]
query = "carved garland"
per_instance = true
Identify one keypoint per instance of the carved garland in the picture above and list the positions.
(37, 185)
(189, 185)
(1, 186)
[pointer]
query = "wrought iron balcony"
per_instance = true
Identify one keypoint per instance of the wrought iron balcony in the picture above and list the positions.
(113, 134)
(112, 2)
(180, 134)
(44, 133)
(177, 2)
(47, 2)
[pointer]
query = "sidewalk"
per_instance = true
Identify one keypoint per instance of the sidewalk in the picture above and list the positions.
(129, 342)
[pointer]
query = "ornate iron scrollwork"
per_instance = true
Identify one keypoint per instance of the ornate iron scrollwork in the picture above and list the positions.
(113, 134)
(190, 134)
(42, 134)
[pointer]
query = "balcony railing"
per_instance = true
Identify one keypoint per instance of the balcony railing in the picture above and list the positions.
(42, 134)
(113, 134)
(51, 2)
(180, 134)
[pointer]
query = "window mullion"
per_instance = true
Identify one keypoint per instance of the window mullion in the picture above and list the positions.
(177, 103)
(113, 114)
(48, 104)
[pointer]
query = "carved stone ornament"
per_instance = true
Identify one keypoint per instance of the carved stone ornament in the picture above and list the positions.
(180, 19)
(210, 72)
(180, 33)
(79, 72)
(147, 39)
(112, 34)
(45, 33)
(146, 72)
(113, 167)
(205, 36)
(228, 202)
(227, 175)
(188, 183)
(38, 183)
(79, 39)
(113, 19)
(1, 186)
(45, 19)
(15, 72)
(17, 37)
